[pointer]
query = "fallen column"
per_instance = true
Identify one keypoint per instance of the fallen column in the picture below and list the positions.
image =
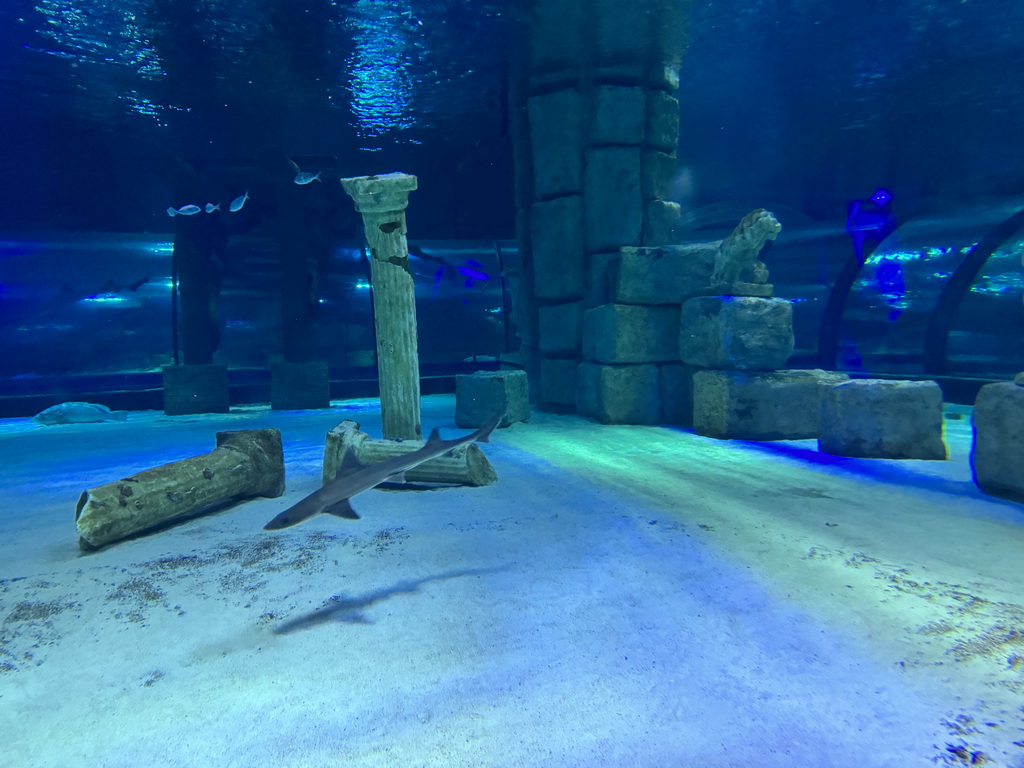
(245, 463)
(465, 465)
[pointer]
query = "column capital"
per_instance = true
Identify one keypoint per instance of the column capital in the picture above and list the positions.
(382, 193)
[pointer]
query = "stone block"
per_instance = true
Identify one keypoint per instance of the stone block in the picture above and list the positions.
(556, 38)
(736, 332)
(613, 205)
(479, 395)
(618, 394)
(755, 405)
(626, 333)
(602, 275)
(882, 419)
(556, 240)
(556, 142)
(195, 389)
(998, 455)
(662, 121)
(558, 382)
(621, 31)
(665, 275)
(675, 381)
(299, 386)
(661, 220)
(657, 169)
(560, 327)
(618, 115)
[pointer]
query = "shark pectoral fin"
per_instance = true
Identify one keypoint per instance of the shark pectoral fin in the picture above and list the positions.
(398, 477)
(342, 509)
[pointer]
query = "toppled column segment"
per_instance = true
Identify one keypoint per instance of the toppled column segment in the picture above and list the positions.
(245, 463)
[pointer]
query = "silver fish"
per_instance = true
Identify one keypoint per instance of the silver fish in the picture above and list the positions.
(304, 177)
(354, 477)
(238, 202)
(185, 210)
(210, 207)
(78, 413)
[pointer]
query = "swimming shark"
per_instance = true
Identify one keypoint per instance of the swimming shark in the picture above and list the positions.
(355, 477)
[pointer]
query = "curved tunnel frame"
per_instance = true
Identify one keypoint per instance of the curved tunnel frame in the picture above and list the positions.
(936, 342)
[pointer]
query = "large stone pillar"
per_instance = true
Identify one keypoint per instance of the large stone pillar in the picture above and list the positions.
(595, 126)
(382, 201)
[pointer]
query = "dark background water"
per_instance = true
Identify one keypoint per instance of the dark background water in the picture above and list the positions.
(797, 105)
(797, 102)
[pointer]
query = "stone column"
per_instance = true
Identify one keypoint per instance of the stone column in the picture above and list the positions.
(595, 124)
(382, 201)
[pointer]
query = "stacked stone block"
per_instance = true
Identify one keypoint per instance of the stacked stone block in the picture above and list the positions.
(595, 124)
(195, 388)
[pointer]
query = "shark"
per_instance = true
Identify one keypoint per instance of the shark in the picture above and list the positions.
(354, 477)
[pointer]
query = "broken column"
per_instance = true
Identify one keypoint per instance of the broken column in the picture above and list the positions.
(245, 463)
(465, 465)
(382, 201)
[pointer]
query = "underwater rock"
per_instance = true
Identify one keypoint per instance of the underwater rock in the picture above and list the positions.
(628, 333)
(998, 455)
(675, 382)
(245, 463)
(882, 419)
(618, 394)
(556, 238)
(78, 413)
(1019, 379)
(664, 275)
(755, 405)
(480, 395)
(736, 332)
(558, 382)
(561, 327)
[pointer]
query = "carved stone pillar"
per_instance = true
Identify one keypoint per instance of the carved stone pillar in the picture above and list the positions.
(382, 201)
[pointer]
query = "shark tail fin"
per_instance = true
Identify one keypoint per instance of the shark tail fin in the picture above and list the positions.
(342, 509)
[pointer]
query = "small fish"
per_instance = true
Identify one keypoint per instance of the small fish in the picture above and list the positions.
(304, 177)
(78, 413)
(210, 207)
(238, 202)
(355, 477)
(185, 210)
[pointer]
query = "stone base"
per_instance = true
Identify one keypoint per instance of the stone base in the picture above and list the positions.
(736, 332)
(299, 386)
(881, 419)
(618, 394)
(478, 396)
(749, 405)
(998, 455)
(195, 389)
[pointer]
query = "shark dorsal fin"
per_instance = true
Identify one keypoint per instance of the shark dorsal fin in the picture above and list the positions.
(435, 437)
(349, 462)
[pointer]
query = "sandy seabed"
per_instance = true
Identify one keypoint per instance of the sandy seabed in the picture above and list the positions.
(623, 596)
